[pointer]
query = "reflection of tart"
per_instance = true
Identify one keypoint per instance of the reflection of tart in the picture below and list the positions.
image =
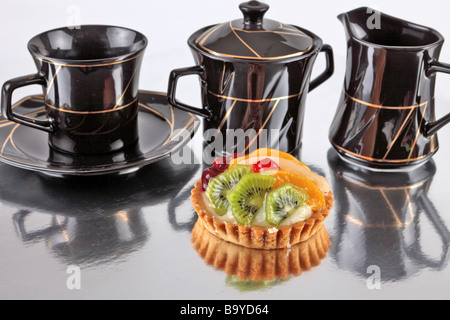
(265, 200)
(255, 268)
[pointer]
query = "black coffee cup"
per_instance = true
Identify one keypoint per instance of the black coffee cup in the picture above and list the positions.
(90, 80)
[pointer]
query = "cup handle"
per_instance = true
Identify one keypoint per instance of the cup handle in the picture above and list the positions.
(33, 236)
(6, 108)
(324, 76)
(171, 92)
(431, 128)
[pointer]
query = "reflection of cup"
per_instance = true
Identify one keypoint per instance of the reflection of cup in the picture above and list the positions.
(90, 79)
(90, 239)
(380, 219)
(91, 220)
(260, 265)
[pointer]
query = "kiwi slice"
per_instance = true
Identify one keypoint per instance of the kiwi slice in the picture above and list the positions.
(220, 186)
(283, 201)
(248, 196)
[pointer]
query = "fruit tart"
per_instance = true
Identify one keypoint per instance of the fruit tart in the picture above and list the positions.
(265, 200)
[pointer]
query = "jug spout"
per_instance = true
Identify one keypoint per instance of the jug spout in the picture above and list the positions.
(378, 29)
(342, 18)
(357, 20)
(354, 22)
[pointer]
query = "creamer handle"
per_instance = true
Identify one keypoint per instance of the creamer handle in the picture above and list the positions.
(431, 128)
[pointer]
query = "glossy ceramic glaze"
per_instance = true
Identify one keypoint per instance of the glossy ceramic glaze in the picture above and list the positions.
(386, 115)
(90, 80)
(255, 77)
(162, 130)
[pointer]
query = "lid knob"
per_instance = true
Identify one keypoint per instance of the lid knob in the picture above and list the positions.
(253, 13)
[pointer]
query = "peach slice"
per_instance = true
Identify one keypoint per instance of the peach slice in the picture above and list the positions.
(278, 156)
(317, 199)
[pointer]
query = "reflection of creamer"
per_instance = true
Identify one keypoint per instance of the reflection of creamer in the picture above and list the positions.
(301, 214)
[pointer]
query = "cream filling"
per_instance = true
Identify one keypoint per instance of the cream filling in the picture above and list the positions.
(301, 214)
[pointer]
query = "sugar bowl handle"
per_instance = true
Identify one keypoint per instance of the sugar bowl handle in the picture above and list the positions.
(7, 91)
(253, 14)
(324, 76)
(431, 128)
(171, 91)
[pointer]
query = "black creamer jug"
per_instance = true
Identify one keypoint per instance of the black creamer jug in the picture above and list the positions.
(386, 115)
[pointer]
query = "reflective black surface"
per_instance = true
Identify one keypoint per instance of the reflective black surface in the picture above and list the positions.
(91, 220)
(384, 219)
(131, 237)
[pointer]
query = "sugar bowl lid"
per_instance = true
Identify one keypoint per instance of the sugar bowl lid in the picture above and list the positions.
(254, 37)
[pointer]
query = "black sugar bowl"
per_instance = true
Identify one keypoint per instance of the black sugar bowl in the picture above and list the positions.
(255, 76)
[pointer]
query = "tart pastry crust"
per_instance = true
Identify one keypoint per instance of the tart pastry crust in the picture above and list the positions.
(257, 237)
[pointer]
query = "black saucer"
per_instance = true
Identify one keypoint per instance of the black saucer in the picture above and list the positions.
(162, 131)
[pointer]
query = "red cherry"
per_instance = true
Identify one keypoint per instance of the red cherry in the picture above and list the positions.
(266, 164)
(220, 163)
(208, 174)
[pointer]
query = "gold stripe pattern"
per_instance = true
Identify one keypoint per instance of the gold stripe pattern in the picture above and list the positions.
(10, 139)
(382, 190)
(116, 106)
(50, 85)
(264, 125)
(372, 105)
(201, 42)
(245, 44)
(398, 134)
(418, 132)
(412, 108)
(377, 160)
(225, 118)
(88, 65)
(257, 100)
(92, 112)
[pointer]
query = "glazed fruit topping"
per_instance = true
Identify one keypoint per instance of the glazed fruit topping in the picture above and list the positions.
(220, 186)
(283, 202)
(208, 174)
(264, 165)
(219, 166)
(246, 199)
